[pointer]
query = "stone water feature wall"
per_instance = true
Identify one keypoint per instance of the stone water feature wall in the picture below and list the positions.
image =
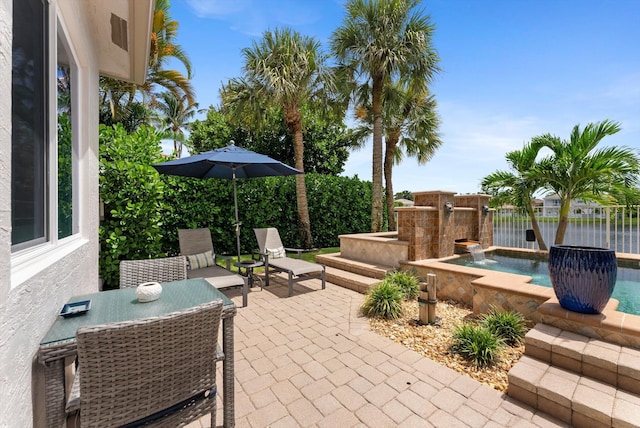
(438, 218)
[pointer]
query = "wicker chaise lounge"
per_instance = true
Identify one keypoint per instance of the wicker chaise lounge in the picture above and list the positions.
(197, 246)
(274, 255)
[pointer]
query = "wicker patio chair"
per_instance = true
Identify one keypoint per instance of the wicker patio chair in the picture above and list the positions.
(194, 242)
(134, 272)
(274, 256)
(158, 371)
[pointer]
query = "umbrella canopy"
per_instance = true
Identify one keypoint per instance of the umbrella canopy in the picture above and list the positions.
(229, 162)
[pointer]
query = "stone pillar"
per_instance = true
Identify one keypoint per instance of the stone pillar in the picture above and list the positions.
(442, 241)
(419, 227)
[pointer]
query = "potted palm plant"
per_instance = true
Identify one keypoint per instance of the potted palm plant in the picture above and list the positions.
(583, 278)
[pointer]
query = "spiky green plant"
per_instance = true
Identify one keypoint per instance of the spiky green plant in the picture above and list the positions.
(477, 344)
(383, 300)
(407, 282)
(509, 325)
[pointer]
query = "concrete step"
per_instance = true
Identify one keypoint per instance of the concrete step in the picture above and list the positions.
(616, 365)
(350, 280)
(335, 260)
(577, 400)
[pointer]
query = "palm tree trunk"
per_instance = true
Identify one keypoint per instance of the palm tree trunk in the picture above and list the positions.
(536, 228)
(390, 147)
(564, 221)
(376, 190)
(294, 122)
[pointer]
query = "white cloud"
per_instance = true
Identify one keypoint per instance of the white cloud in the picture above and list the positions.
(253, 17)
(217, 8)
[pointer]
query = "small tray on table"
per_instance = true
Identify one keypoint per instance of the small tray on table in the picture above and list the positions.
(75, 308)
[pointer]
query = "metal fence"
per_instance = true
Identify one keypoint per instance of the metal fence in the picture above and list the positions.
(613, 227)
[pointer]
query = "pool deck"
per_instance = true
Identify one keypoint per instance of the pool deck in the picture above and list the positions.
(310, 360)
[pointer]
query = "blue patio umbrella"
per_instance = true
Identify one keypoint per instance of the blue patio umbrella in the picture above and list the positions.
(227, 162)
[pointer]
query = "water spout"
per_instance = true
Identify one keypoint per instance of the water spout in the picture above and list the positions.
(477, 253)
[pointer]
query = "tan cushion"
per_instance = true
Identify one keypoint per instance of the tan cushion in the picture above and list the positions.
(217, 276)
(276, 253)
(202, 260)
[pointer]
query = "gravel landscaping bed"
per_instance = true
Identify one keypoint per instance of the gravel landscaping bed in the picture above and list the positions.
(434, 341)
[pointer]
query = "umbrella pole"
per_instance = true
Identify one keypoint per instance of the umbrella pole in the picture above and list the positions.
(235, 203)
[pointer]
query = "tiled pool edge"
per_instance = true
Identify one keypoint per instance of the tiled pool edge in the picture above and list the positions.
(482, 289)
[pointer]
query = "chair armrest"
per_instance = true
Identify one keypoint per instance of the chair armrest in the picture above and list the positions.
(295, 250)
(219, 353)
(227, 260)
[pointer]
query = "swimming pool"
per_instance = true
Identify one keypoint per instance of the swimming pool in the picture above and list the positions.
(626, 291)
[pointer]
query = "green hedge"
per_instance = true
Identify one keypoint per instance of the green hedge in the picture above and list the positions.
(143, 209)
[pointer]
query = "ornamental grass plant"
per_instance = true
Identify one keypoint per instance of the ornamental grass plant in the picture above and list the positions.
(407, 282)
(383, 300)
(477, 344)
(508, 325)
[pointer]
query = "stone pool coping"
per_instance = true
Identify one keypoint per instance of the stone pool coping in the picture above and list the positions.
(481, 289)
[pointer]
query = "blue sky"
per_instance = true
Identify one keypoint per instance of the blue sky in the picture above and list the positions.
(512, 70)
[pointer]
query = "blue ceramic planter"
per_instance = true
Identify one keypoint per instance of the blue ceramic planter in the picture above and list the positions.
(582, 277)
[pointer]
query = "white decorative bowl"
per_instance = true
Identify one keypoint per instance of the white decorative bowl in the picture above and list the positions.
(148, 291)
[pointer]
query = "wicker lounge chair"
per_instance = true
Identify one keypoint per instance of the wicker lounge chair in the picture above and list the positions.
(134, 272)
(195, 242)
(273, 253)
(168, 378)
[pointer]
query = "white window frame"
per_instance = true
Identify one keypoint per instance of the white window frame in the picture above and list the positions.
(27, 262)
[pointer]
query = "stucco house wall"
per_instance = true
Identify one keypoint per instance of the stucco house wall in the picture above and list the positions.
(34, 288)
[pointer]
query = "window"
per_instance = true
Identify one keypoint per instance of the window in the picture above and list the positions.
(44, 160)
(29, 138)
(65, 147)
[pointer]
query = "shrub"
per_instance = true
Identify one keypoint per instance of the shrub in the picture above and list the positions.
(477, 344)
(384, 300)
(407, 282)
(510, 326)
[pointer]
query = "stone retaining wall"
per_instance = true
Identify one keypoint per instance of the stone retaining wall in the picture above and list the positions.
(482, 289)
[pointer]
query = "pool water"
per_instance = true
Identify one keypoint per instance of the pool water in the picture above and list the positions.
(626, 291)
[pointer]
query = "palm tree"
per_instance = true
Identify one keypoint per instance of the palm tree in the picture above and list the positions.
(378, 41)
(576, 169)
(519, 186)
(283, 70)
(175, 115)
(118, 99)
(163, 49)
(411, 124)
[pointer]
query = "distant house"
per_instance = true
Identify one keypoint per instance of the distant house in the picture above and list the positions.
(45, 258)
(579, 208)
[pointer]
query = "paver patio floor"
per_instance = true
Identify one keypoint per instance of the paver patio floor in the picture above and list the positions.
(311, 361)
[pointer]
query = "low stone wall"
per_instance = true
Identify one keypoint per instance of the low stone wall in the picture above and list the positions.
(382, 248)
(482, 289)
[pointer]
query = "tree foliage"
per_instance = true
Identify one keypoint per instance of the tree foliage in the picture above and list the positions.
(575, 169)
(378, 42)
(132, 194)
(410, 127)
(128, 103)
(283, 70)
(519, 185)
(143, 209)
(326, 138)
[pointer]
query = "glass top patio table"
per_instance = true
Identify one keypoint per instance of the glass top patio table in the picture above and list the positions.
(122, 305)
